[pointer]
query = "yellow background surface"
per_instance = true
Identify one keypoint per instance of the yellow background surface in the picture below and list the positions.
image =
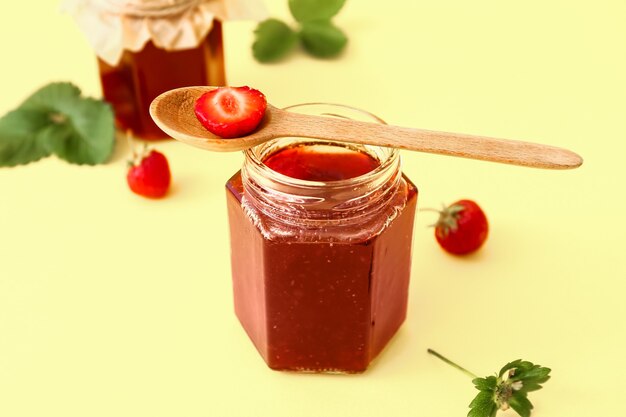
(115, 305)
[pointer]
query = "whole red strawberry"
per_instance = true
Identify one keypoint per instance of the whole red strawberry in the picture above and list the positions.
(149, 175)
(462, 227)
(231, 112)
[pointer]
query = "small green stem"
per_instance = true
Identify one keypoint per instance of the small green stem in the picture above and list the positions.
(449, 362)
(57, 118)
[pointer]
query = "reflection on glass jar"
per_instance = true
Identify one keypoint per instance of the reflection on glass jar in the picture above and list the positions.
(321, 249)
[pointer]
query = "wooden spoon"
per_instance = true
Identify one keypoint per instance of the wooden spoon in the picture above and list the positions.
(173, 112)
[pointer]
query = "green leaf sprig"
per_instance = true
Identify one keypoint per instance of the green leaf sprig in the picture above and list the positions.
(317, 33)
(507, 389)
(56, 119)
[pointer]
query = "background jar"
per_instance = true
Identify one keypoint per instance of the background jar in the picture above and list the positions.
(321, 268)
(147, 47)
(139, 77)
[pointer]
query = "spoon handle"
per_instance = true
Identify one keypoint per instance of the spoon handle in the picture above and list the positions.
(455, 144)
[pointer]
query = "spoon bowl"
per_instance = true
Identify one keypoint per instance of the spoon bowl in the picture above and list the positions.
(173, 111)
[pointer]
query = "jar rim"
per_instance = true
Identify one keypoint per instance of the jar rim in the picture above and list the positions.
(256, 156)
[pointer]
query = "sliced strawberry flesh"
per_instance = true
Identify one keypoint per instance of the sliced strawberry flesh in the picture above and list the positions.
(231, 112)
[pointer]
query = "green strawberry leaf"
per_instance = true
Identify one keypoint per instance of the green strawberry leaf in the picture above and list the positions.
(509, 389)
(484, 384)
(482, 405)
(52, 96)
(530, 375)
(534, 373)
(86, 136)
(310, 10)
(530, 385)
(19, 143)
(514, 364)
(56, 119)
(322, 38)
(83, 131)
(520, 404)
(273, 40)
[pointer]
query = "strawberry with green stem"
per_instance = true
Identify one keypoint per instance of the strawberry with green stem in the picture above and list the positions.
(462, 227)
(148, 173)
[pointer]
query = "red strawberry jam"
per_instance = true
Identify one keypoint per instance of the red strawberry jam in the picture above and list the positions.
(320, 269)
(305, 163)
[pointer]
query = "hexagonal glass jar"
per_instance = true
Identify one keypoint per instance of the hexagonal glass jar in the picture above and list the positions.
(321, 268)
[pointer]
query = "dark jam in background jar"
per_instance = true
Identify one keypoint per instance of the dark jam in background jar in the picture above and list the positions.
(139, 77)
(321, 249)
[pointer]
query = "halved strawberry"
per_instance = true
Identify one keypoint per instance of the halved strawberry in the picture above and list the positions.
(231, 112)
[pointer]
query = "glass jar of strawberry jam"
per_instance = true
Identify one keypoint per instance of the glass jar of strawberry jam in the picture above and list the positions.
(321, 249)
(139, 77)
(146, 47)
